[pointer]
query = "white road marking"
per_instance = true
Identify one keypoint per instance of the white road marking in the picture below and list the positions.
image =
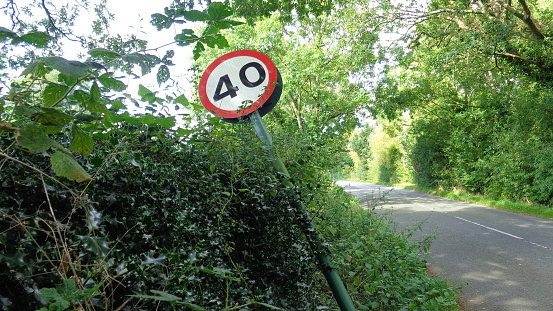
(502, 232)
(490, 228)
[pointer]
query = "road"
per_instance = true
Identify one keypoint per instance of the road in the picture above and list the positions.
(503, 261)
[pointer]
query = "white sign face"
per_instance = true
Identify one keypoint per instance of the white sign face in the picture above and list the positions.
(238, 83)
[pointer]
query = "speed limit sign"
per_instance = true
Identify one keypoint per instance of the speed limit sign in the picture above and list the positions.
(239, 83)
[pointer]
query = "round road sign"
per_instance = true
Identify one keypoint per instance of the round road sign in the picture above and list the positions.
(238, 83)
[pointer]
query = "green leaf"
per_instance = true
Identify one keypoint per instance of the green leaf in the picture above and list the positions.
(93, 98)
(53, 93)
(81, 143)
(111, 83)
(33, 137)
(186, 37)
(216, 40)
(161, 21)
(72, 68)
(5, 33)
(265, 305)
(195, 16)
(227, 23)
(181, 99)
(65, 166)
(198, 49)
(183, 132)
(143, 91)
(101, 52)
(117, 105)
(95, 245)
(166, 295)
(163, 74)
(167, 57)
(167, 122)
(147, 119)
(39, 39)
(192, 306)
(59, 302)
(145, 62)
(51, 117)
(93, 103)
(218, 10)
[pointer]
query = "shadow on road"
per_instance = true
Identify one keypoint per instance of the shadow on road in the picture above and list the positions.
(501, 260)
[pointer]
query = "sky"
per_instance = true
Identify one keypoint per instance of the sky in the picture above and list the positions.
(131, 17)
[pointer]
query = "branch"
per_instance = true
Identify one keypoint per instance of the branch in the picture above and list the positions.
(40, 172)
(53, 22)
(520, 58)
(525, 17)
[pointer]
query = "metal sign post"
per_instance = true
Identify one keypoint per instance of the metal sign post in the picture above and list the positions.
(323, 261)
(246, 85)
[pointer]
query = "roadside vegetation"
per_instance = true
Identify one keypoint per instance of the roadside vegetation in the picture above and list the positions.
(467, 111)
(121, 194)
(525, 208)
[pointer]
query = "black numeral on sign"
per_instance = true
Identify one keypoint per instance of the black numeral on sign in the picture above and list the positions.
(231, 90)
(260, 70)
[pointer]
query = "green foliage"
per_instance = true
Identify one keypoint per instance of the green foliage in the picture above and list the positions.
(382, 268)
(126, 212)
(199, 221)
(477, 87)
(66, 295)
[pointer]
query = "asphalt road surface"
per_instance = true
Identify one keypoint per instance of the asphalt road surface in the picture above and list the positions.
(502, 260)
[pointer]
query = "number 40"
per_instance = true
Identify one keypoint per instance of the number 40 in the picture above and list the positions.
(231, 89)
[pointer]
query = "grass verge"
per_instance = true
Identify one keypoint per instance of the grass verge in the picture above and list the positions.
(383, 269)
(524, 208)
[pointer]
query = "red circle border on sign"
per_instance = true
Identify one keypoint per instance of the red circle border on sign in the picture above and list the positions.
(273, 76)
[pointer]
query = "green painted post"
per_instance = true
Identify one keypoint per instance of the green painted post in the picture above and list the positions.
(323, 261)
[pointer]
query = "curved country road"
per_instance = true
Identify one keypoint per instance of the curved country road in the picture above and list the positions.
(503, 261)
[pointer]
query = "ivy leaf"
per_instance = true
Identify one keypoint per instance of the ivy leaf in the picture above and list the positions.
(81, 143)
(163, 74)
(111, 83)
(218, 10)
(33, 138)
(53, 93)
(37, 38)
(65, 166)
(95, 245)
(101, 52)
(195, 16)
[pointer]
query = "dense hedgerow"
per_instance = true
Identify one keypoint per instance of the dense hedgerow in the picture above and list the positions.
(197, 225)
(204, 221)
